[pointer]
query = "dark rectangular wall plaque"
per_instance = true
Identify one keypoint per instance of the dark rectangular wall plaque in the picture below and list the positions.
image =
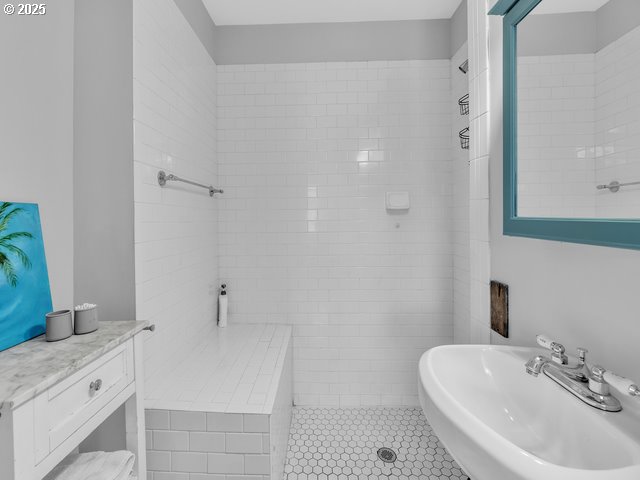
(500, 308)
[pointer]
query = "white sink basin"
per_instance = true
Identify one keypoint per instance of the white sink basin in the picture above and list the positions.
(499, 423)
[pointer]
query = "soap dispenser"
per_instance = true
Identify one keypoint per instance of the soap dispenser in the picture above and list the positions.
(223, 304)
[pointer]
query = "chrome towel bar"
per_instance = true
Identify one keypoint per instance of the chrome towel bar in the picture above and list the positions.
(615, 186)
(163, 178)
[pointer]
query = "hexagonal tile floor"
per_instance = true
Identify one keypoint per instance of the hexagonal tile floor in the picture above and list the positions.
(343, 444)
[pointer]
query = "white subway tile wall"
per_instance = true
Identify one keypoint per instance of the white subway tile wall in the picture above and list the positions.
(279, 420)
(479, 249)
(618, 125)
(175, 226)
(460, 202)
(578, 128)
(306, 153)
(556, 126)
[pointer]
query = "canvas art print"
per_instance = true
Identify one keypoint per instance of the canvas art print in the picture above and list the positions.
(25, 296)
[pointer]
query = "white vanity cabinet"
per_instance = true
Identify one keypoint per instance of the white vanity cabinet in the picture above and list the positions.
(53, 395)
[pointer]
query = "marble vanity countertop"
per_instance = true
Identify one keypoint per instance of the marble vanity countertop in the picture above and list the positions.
(30, 368)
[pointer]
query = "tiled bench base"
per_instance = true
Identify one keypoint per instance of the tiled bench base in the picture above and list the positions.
(207, 445)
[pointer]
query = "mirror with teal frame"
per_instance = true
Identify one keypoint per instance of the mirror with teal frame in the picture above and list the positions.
(577, 226)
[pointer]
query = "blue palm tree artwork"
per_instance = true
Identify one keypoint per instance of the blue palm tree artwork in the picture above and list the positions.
(25, 295)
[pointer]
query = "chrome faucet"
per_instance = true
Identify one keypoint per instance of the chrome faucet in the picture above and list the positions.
(578, 372)
(591, 385)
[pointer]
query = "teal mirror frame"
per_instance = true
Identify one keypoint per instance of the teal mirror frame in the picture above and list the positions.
(621, 233)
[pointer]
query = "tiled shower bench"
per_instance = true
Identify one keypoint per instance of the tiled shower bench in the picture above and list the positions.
(223, 410)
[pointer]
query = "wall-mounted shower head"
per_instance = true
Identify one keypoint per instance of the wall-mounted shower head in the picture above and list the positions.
(464, 68)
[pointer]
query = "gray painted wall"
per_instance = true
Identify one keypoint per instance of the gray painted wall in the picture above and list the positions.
(198, 17)
(335, 42)
(566, 33)
(579, 294)
(36, 130)
(103, 157)
(579, 32)
(458, 28)
(103, 174)
(557, 34)
(325, 42)
(615, 18)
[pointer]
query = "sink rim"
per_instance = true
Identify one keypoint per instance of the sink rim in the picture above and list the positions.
(475, 428)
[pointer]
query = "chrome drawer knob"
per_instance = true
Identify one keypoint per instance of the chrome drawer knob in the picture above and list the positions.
(95, 385)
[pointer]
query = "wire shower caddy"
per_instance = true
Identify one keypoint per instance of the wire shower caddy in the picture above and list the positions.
(464, 138)
(463, 102)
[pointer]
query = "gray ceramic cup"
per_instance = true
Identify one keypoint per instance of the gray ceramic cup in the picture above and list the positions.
(86, 321)
(59, 325)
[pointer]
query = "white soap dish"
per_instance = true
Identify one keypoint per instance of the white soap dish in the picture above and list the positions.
(398, 201)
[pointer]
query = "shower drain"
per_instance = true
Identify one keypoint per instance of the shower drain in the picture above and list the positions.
(387, 455)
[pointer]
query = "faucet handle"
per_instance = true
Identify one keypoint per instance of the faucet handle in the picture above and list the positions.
(556, 348)
(545, 342)
(558, 355)
(621, 384)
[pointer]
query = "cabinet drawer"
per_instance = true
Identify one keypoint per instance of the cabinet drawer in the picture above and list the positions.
(75, 400)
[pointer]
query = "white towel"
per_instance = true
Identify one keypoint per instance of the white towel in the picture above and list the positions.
(95, 466)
